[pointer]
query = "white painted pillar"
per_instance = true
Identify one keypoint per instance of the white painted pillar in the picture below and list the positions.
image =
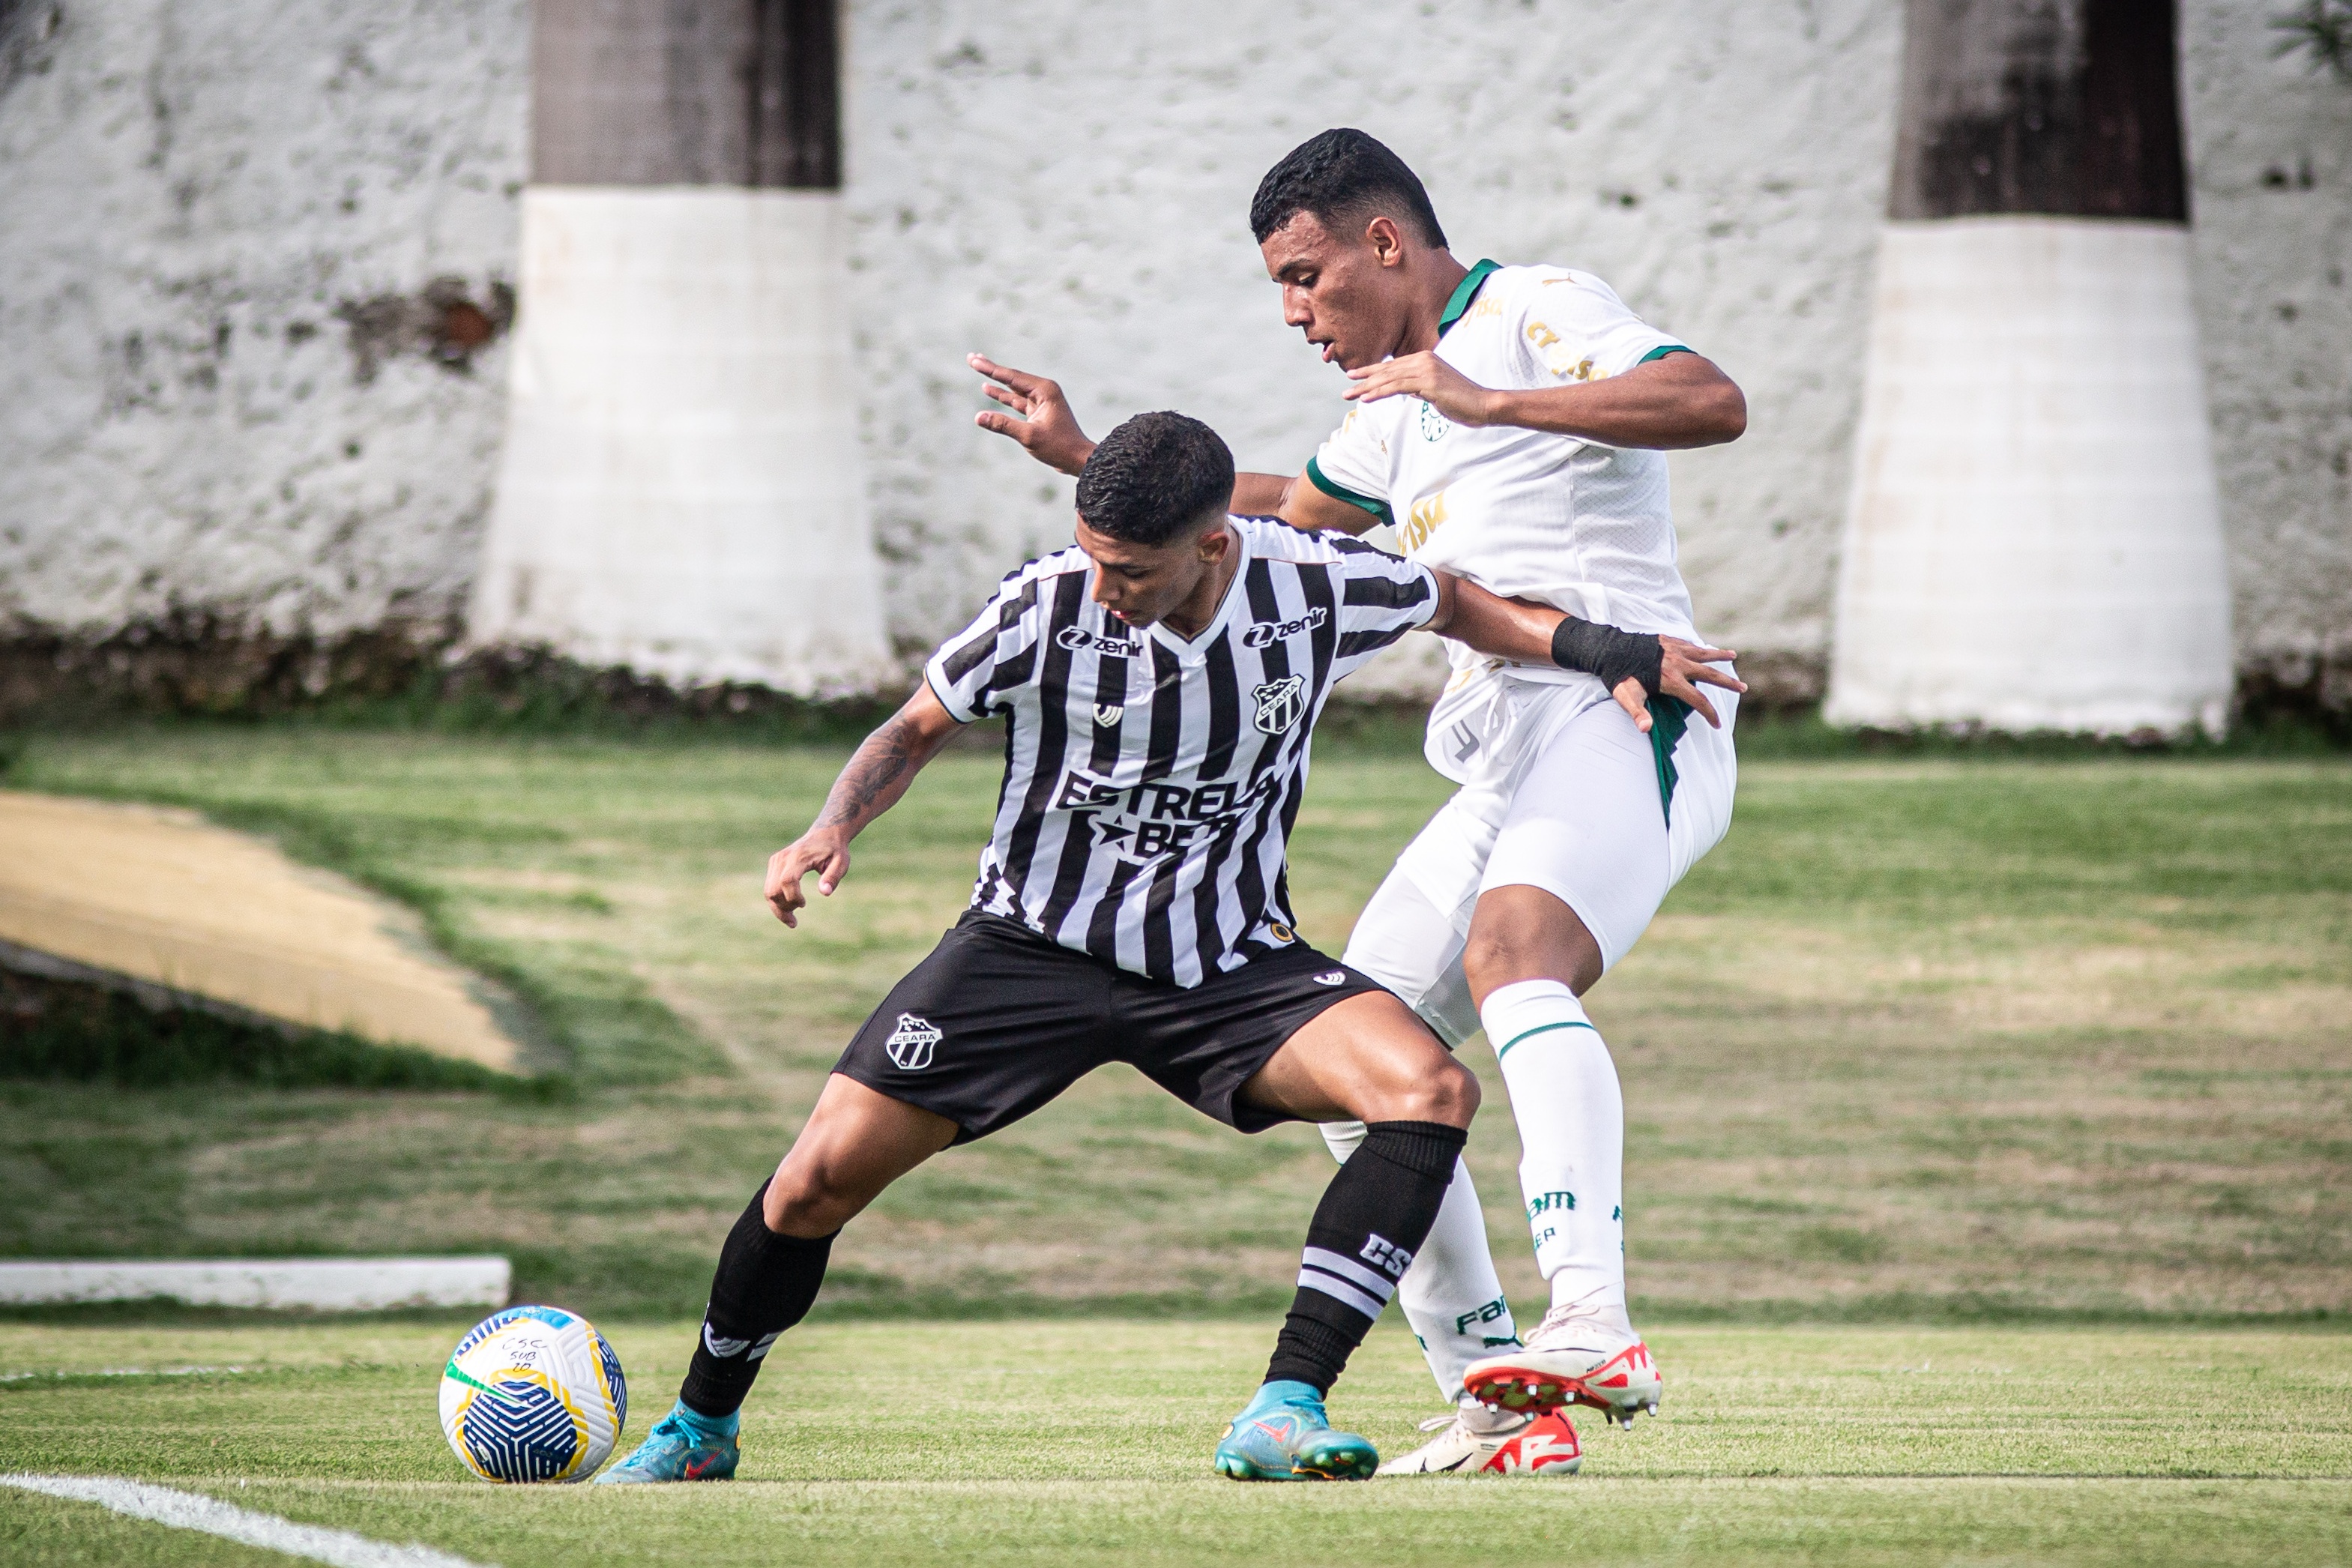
(2033, 537)
(681, 492)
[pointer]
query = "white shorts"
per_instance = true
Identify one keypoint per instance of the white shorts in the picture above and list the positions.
(1559, 791)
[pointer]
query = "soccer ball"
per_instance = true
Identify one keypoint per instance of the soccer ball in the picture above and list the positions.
(533, 1394)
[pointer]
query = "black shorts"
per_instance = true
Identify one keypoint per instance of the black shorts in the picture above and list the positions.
(998, 1020)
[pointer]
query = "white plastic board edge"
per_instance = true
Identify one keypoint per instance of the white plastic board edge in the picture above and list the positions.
(322, 1284)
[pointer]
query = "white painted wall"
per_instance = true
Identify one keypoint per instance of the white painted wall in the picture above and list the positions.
(1071, 196)
(1063, 184)
(189, 192)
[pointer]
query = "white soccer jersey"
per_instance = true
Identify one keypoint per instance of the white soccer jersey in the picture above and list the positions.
(1150, 780)
(1579, 526)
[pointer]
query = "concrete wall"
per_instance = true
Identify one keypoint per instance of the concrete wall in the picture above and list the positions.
(2270, 151)
(1071, 197)
(1062, 183)
(256, 264)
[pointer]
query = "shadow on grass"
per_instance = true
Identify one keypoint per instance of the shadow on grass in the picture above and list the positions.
(72, 1031)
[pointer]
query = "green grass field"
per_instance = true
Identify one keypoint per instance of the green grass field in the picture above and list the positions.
(1084, 1441)
(1988, 1169)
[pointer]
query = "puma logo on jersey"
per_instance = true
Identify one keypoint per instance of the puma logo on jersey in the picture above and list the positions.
(1077, 639)
(910, 1045)
(1264, 633)
(1280, 704)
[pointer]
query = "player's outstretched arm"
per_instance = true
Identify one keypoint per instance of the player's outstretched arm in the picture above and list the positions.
(1634, 666)
(1667, 405)
(877, 774)
(1041, 423)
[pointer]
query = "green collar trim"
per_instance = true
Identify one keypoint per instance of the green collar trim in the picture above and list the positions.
(1463, 292)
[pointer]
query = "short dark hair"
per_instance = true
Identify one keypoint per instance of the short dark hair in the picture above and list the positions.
(1339, 176)
(1155, 478)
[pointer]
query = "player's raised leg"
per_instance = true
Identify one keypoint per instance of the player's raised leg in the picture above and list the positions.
(857, 1142)
(1368, 1058)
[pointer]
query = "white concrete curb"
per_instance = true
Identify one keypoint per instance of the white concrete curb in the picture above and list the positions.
(327, 1284)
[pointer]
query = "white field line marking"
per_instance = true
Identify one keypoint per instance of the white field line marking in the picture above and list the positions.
(191, 1510)
(131, 1372)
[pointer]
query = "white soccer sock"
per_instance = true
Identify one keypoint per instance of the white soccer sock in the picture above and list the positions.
(1451, 1296)
(1572, 1120)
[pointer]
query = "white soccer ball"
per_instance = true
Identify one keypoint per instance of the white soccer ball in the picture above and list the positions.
(533, 1394)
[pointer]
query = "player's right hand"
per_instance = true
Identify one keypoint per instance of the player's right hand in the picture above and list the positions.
(1682, 670)
(819, 850)
(1046, 429)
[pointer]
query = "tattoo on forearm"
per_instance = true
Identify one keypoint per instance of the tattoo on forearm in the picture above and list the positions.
(880, 762)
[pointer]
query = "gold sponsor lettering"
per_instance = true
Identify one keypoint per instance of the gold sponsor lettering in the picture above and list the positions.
(1428, 514)
(1543, 337)
(1558, 363)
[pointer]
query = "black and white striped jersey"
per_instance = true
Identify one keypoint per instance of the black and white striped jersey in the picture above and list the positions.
(1151, 781)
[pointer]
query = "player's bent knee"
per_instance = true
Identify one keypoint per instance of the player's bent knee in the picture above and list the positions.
(803, 1200)
(1449, 1094)
(1501, 952)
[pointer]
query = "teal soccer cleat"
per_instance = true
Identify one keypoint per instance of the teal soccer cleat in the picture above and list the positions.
(682, 1447)
(1283, 1436)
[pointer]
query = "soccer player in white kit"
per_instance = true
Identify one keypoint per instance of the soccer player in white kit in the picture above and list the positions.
(1510, 424)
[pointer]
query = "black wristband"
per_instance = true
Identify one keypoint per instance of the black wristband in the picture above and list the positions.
(1609, 653)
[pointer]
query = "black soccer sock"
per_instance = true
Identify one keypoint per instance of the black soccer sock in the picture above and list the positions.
(764, 1285)
(1374, 1216)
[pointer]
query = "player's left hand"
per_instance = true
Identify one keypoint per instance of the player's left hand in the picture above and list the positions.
(820, 850)
(1041, 420)
(1683, 668)
(1429, 378)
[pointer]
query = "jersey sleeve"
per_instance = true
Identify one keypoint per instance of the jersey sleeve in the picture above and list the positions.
(975, 672)
(1353, 464)
(1381, 597)
(1571, 327)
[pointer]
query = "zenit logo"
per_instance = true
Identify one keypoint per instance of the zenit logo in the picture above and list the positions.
(1077, 639)
(1264, 633)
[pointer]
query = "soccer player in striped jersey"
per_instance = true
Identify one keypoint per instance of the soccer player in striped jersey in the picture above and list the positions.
(1510, 423)
(1159, 683)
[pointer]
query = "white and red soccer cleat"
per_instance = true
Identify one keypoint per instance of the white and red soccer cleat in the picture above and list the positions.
(1571, 1360)
(1493, 1443)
